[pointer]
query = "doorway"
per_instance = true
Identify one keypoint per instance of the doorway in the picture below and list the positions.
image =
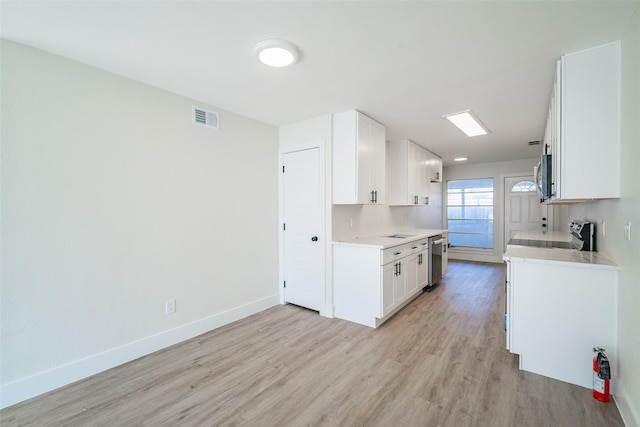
(522, 208)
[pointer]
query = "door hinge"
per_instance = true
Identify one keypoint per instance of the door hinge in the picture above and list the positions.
(283, 169)
(284, 226)
(285, 283)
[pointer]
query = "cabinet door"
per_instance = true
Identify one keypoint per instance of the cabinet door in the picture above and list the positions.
(423, 269)
(364, 146)
(377, 162)
(445, 254)
(413, 174)
(388, 303)
(358, 159)
(400, 281)
(436, 169)
(590, 134)
(425, 172)
(409, 174)
(507, 309)
(411, 277)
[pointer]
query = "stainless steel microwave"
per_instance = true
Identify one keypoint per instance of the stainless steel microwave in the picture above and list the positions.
(543, 176)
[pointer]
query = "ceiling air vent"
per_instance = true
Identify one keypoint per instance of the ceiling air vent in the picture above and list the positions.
(210, 119)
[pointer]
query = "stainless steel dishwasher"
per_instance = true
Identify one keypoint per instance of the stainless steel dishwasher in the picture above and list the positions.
(435, 264)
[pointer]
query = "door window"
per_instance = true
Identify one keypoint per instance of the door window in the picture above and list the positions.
(523, 186)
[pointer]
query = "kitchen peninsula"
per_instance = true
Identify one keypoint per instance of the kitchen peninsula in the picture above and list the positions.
(560, 303)
(376, 276)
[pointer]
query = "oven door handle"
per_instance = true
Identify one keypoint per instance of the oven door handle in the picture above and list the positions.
(437, 242)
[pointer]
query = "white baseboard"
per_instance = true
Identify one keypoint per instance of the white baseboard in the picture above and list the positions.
(477, 257)
(26, 388)
(327, 311)
(623, 401)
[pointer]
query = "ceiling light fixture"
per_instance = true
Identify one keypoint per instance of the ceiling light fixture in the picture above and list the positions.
(468, 123)
(460, 159)
(276, 53)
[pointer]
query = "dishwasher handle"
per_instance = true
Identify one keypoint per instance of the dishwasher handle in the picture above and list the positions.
(437, 242)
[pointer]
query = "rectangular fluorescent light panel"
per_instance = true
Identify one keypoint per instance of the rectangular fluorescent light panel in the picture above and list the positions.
(468, 123)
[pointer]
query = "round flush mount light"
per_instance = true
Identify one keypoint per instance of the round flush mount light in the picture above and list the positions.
(276, 52)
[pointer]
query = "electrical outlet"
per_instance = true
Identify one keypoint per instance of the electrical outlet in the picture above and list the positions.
(169, 306)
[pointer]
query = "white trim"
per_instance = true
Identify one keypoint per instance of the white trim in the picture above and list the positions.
(26, 388)
(629, 414)
(327, 309)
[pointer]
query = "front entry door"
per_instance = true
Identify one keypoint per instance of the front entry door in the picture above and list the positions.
(522, 208)
(303, 248)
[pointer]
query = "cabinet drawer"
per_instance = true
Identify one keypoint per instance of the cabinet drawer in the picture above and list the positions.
(420, 246)
(395, 253)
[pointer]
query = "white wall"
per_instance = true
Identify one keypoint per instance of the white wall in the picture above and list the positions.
(614, 245)
(112, 203)
(497, 171)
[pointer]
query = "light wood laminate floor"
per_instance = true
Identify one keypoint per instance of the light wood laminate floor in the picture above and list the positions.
(439, 362)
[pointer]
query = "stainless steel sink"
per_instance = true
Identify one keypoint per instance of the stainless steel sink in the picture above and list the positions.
(400, 236)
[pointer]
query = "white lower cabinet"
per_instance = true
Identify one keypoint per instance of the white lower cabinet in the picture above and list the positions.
(371, 284)
(556, 313)
(445, 253)
(389, 287)
(412, 274)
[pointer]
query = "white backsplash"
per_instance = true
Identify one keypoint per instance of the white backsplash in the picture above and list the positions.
(350, 221)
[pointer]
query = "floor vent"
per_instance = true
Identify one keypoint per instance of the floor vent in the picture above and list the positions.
(210, 119)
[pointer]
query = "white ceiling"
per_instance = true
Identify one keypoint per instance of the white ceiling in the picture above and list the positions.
(404, 64)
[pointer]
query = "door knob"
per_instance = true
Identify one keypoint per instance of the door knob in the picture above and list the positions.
(314, 239)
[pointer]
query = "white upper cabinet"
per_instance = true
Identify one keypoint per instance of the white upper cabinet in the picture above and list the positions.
(358, 159)
(583, 126)
(409, 174)
(435, 167)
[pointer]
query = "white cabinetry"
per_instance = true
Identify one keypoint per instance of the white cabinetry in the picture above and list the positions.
(445, 253)
(371, 284)
(556, 312)
(409, 174)
(422, 267)
(435, 167)
(583, 125)
(358, 159)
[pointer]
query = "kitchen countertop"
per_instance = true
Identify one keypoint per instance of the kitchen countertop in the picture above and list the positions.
(384, 242)
(547, 236)
(554, 255)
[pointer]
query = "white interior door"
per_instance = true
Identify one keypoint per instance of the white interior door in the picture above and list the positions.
(303, 248)
(522, 208)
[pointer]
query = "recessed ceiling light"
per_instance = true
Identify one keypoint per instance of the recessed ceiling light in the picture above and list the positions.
(468, 123)
(460, 159)
(276, 53)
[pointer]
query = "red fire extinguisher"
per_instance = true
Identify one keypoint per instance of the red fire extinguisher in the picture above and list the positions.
(601, 375)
